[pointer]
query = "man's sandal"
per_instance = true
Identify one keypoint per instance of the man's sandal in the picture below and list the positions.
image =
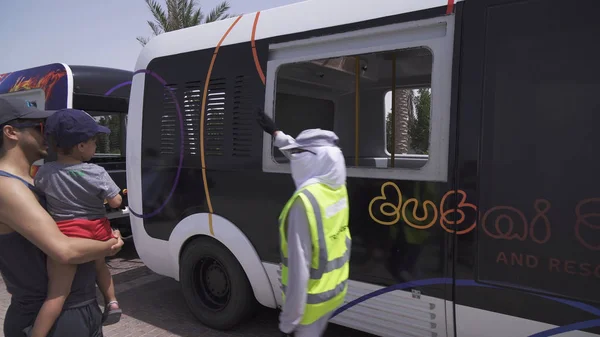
(111, 316)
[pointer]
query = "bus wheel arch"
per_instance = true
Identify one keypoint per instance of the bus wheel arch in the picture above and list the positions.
(194, 228)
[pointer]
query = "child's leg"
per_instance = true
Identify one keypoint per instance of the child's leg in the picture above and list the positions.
(105, 282)
(60, 278)
(112, 312)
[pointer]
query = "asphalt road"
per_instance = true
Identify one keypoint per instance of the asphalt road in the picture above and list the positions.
(154, 306)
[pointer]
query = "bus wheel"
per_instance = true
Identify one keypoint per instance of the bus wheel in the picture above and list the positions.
(214, 284)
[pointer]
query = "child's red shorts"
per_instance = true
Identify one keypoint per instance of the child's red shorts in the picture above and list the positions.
(98, 229)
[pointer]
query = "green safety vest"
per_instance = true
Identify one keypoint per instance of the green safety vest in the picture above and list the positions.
(328, 214)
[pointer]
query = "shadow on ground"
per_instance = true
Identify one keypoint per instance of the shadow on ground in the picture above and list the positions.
(159, 302)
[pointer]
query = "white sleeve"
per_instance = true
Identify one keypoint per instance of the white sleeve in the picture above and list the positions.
(281, 139)
(299, 257)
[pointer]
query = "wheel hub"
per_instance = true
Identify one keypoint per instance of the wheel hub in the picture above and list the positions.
(213, 285)
(216, 280)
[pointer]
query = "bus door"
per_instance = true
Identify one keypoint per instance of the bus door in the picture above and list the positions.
(389, 107)
(530, 79)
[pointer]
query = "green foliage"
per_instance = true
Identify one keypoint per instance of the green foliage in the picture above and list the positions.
(110, 143)
(181, 14)
(388, 131)
(418, 127)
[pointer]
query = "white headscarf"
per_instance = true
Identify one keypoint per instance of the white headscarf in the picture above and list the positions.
(323, 164)
(326, 167)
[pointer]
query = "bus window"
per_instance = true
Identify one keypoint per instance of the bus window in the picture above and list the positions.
(407, 124)
(377, 103)
(315, 112)
(110, 145)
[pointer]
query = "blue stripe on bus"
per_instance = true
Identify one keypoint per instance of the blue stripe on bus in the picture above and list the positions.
(471, 283)
(566, 328)
(162, 81)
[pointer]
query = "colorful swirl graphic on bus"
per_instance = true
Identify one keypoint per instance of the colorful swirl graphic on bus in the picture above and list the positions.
(499, 222)
(45, 82)
(52, 79)
(181, 140)
(3, 77)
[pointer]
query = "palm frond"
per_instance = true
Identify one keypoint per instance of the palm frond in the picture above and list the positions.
(173, 15)
(188, 13)
(159, 14)
(189, 7)
(180, 12)
(228, 16)
(197, 17)
(217, 12)
(143, 40)
(156, 30)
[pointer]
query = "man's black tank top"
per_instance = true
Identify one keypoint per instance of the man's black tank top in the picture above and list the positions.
(23, 267)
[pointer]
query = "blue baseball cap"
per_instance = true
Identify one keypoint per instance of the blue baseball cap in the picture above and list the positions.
(69, 127)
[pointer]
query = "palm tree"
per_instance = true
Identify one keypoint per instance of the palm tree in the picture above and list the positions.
(181, 14)
(404, 112)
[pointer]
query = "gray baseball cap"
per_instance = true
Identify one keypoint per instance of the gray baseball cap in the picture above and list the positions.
(15, 108)
(313, 138)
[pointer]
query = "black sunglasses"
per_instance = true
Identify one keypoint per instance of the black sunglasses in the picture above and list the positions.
(38, 126)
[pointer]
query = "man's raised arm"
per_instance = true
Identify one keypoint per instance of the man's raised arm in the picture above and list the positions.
(268, 126)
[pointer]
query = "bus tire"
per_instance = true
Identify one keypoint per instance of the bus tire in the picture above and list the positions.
(215, 287)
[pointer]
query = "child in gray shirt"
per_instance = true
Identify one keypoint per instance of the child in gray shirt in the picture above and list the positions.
(75, 195)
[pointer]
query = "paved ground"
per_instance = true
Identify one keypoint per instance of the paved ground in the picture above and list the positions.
(154, 306)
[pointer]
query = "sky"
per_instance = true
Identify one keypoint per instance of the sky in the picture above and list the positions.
(85, 32)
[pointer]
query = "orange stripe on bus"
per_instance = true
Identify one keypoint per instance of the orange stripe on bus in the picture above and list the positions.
(450, 7)
(254, 53)
(202, 116)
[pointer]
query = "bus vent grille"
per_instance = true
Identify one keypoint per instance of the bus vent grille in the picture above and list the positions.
(214, 129)
(242, 120)
(168, 121)
(192, 101)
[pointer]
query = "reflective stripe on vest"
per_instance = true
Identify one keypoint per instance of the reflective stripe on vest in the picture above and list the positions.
(324, 265)
(328, 281)
(324, 296)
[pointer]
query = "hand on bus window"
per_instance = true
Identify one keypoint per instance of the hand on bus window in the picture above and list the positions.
(265, 122)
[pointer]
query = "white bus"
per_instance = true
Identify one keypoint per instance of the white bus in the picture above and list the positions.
(468, 131)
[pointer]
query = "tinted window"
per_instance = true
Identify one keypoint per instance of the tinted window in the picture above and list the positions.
(540, 192)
